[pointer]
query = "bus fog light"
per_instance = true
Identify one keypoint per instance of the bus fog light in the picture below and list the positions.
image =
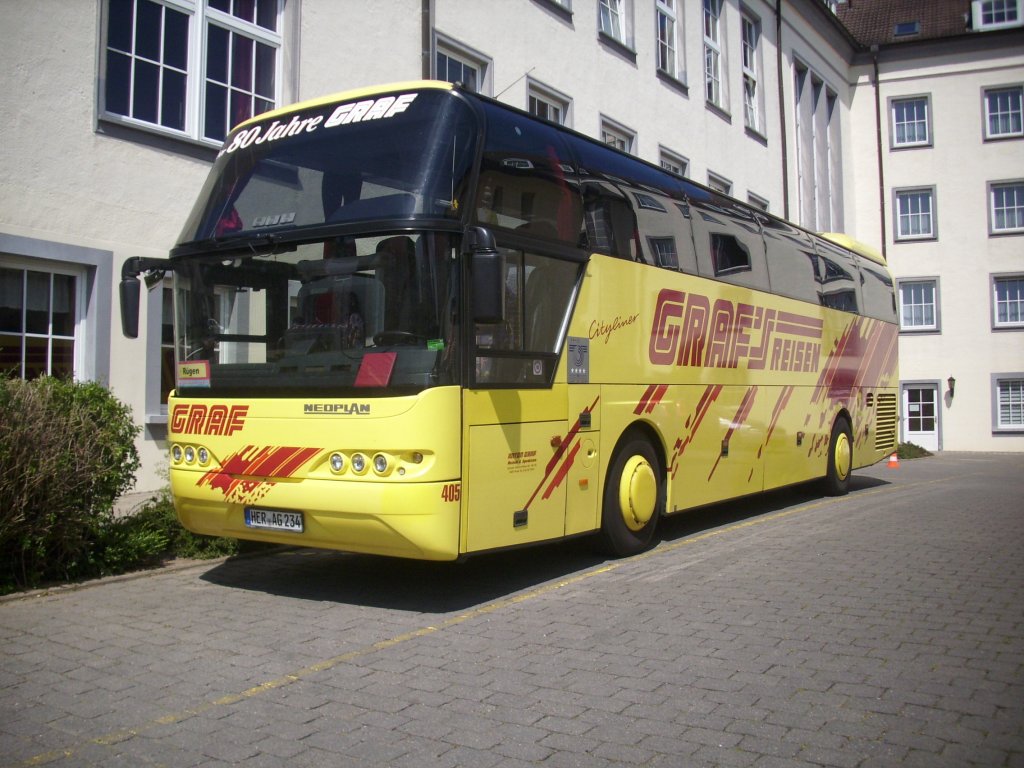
(337, 462)
(380, 464)
(176, 453)
(190, 454)
(359, 463)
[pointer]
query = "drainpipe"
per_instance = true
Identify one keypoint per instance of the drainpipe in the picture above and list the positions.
(782, 110)
(878, 146)
(426, 37)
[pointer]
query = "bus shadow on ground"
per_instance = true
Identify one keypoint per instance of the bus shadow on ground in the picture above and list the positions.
(440, 588)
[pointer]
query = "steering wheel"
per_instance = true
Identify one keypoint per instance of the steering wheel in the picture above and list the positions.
(384, 338)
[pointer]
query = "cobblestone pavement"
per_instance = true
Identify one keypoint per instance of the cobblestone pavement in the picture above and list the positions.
(882, 628)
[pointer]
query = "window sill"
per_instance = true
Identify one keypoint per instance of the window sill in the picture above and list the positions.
(756, 135)
(903, 147)
(156, 138)
(617, 46)
(717, 110)
(1008, 137)
(674, 83)
(912, 240)
(1007, 233)
(156, 419)
(1008, 328)
(557, 8)
(920, 331)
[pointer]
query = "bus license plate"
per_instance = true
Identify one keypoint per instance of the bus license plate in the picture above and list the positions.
(273, 520)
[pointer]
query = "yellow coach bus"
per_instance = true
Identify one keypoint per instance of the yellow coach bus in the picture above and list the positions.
(414, 321)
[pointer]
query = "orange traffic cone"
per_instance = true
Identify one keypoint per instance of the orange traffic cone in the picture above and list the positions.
(894, 462)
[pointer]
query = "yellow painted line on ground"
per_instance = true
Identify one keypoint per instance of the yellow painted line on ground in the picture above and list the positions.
(117, 737)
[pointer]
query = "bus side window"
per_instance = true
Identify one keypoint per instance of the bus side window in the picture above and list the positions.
(879, 299)
(841, 279)
(610, 222)
(728, 243)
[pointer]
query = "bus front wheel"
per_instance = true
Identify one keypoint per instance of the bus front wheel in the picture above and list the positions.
(840, 459)
(634, 496)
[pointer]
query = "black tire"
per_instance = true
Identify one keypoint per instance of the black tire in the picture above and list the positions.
(634, 497)
(840, 459)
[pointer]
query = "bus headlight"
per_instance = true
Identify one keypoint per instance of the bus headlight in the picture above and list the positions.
(380, 464)
(358, 463)
(337, 462)
(203, 455)
(176, 454)
(190, 454)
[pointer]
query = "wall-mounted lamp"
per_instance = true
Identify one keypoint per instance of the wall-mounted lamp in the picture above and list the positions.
(951, 383)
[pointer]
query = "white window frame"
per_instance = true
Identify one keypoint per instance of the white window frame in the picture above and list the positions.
(1017, 208)
(668, 34)
(1014, 305)
(538, 93)
(1017, 132)
(922, 327)
(714, 54)
(614, 20)
(1014, 408)
(617, 135)
(464, 55)
(894, 125)
(200, 17)
(753, 93)
(673, 162)
(902, 215)
(1004, 14)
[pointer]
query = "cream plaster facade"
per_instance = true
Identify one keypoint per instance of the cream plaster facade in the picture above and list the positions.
(78, 189)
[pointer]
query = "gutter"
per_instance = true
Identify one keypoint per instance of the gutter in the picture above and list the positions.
(782, 110)
(878, 146)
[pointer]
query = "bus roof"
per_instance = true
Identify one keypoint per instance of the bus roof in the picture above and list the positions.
(863, 249)
(357, 93)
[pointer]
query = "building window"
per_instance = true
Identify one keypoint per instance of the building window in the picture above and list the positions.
(996, 14)
(457, 64)
(617, 135)
(40, 313)
(1006, 207)
(1003, 112)
(910, 122)
(668, 37)
(758, 202)
(664, 250)
(546, 104)
(719, 183)
(819, 153)
(752, 95)
(713, 53)
(915, 217)
(918, 305)
(1008, 301)
(1008, 402)
(673, 163)
(614, 20)
(194, 68)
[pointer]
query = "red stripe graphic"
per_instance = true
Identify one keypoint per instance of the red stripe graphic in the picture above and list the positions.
(709, 396)
(244, 473)
(746, 406)
(652, 396)
(569, 445)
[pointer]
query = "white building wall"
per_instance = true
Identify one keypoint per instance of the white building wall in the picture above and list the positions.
(958, 164)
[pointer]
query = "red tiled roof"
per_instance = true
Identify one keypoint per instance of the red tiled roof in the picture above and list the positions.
(873, 22)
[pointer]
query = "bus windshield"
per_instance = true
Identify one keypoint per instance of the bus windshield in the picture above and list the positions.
(399, 156)
(341, 315)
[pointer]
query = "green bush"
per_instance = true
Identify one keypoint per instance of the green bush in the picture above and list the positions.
(67, 451)
(159, 515)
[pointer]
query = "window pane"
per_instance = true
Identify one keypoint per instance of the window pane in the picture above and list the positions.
(265, 56)
(36, 357)
(118, 86)
(119, 25)
(11, 299)
(147, 84)
(1011, 403)
(216, 112)
(241, 61)
(10, 355)
(37, 310)
(266, 14)
(63, 305)
(175, 39)
(241, 107)
(172, 100)
(62, 358)
(216, 54)
(147, 30)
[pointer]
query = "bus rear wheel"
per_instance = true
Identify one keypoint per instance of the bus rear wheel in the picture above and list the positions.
(840, 459)
(634, 496)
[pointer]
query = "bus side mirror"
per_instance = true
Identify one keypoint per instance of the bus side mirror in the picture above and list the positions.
(129, 290)
(488, 276)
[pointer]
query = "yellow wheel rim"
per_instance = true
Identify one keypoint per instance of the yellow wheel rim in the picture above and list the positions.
(843, 456)
(638, 492)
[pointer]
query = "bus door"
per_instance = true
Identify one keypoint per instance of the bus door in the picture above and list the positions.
(516, 420)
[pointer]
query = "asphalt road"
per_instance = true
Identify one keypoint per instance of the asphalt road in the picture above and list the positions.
(882, 628)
